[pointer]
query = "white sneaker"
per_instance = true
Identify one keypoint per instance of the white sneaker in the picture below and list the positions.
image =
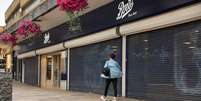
(102, 98)
(114, 99)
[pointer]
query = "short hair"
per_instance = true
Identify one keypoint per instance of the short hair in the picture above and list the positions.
(112, 55)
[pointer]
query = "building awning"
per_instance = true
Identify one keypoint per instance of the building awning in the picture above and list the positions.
(26, 55)
(93, 38)
(50, 49)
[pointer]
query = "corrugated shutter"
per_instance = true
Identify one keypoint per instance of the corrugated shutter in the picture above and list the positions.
(165, 65)
(31, 71)
(86, 63)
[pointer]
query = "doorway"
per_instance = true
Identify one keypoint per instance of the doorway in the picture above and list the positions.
(52, 71)
(55, 68)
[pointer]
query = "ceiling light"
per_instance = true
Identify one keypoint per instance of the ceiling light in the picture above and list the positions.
(49, 56)
(20, 10)
(197, 31)
(187, 43)
(191, 47)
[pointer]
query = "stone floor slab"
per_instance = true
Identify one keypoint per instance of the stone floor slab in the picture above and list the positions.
(28, 93)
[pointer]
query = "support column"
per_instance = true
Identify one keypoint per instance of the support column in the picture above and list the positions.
(124, 66)
(23, 71)
(39, 70)
(68, 69)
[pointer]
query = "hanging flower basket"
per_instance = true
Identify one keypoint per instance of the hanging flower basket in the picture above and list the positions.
(72, 8)
(28, 29)
(74, 21)
(8, 38)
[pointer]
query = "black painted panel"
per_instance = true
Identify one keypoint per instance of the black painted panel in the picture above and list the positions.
(105, 17)
(19, 70)
(163, 66)
(14, 70)
(86, 64)
(31, 71)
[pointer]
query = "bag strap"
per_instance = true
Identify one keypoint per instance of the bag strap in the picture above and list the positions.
(107, 64)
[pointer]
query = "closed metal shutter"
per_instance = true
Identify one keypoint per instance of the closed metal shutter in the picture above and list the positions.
(19, 70)
(165, 65)
(86, 64)
(14, 70)
(31, 71)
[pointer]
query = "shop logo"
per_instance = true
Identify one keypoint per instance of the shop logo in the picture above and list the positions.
(47, 38)
(125, 9)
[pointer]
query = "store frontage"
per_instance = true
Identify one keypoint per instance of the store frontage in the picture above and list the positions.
(86, 63)
(53, 71)
(30, 70)
(165, 64)
(158, 49)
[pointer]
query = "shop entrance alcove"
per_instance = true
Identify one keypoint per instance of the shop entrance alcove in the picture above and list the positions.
(53, 71)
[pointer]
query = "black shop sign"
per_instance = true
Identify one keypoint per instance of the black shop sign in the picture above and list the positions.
(110, 15)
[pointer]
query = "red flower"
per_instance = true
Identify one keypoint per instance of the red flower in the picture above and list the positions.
(72, 5)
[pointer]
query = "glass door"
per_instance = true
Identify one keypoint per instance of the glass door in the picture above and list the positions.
(63, 71)
(56, 69)
(49, 68)
(53, 71)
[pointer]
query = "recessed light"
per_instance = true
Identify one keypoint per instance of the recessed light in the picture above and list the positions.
(187, 43)
(49, 56)
(114, 47)
(197, 31)
(20, 10)
(145, 40)
(191, 47)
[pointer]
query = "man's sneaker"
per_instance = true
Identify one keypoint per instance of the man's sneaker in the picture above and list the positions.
(102, 98)
(114, 99)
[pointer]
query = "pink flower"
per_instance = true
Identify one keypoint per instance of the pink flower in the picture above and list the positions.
(21, 33)
(8, 38)
(27, 28)
(72, 5)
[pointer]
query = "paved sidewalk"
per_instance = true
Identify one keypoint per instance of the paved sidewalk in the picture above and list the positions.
(29, 93)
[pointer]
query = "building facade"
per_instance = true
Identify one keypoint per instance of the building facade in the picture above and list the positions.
(1, 29)
(18, 10)
(156, 42)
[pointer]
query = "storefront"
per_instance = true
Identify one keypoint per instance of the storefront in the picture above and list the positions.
(43, 70)
(27, 69)
(158, 49)
(6, 58)
(86, 63)
(30, 67)
(53, 70)
(165, 63)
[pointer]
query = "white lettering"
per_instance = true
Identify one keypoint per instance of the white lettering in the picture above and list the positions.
(124, 9)
(47, 38)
